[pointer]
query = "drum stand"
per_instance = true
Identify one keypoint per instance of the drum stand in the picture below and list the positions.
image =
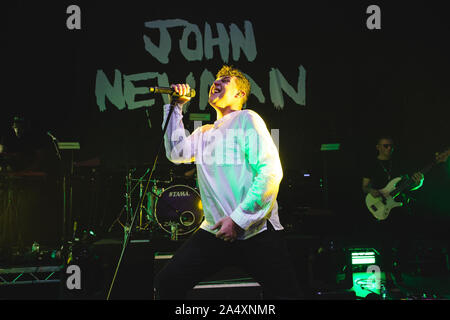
(128, 233)
(128, 198)
(174, 231)
(152, 195)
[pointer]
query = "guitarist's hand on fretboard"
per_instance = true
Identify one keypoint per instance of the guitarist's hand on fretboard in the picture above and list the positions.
(417, 178)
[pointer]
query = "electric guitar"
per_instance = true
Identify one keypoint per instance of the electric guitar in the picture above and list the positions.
(380, 207)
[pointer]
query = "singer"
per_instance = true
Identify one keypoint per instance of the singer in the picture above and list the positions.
(239, 173)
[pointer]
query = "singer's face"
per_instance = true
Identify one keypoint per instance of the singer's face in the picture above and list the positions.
(224, 92)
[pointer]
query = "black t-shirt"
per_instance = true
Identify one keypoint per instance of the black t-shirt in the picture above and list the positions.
(380, 172)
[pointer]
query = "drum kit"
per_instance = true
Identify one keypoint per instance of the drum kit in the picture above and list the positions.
(169, 204)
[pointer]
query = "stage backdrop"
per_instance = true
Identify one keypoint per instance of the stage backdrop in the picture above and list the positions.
(335, 72)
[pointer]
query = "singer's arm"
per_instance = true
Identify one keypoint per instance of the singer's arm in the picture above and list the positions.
(180, 146)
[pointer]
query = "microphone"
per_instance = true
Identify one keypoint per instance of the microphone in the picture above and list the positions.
(171, 91)
(52, 136)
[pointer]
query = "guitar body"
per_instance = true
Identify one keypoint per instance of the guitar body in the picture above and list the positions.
(381, 207)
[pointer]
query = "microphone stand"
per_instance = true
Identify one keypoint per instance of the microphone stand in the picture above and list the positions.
(55, 144)
(63, 183)
(128, 234)
(148, 118)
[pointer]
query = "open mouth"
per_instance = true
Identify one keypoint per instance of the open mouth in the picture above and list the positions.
(216, 89)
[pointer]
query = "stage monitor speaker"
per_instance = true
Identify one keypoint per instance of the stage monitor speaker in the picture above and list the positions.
(229, 283)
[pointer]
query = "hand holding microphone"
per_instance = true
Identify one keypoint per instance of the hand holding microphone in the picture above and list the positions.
(181, 93)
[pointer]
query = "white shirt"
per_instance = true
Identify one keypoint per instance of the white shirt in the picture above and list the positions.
(238, 168)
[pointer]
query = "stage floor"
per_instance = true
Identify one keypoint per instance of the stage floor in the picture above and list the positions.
(421, 279)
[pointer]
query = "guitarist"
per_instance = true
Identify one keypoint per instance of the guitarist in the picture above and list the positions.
(376, 175)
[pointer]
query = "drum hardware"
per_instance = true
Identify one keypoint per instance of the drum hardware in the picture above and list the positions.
(173, 231)
(165, 208)
(187, 218)
(128, 235)
(151, 202)
(144, 211)
(152, 196)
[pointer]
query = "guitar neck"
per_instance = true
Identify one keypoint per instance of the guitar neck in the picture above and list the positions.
(428, 167)
(408, 183)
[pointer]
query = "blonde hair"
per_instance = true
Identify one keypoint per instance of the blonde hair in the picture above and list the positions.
(243, 83)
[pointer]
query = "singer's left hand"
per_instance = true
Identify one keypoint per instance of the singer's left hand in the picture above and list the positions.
(182, 89)
(228, 229)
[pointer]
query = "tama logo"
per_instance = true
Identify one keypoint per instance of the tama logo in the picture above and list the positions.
(179, 194)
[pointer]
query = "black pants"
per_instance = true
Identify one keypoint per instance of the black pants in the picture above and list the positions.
(264, 257)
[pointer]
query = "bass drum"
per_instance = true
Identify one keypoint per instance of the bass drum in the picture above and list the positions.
(179, 210)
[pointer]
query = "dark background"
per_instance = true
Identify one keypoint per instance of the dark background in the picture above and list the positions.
(359, 83)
